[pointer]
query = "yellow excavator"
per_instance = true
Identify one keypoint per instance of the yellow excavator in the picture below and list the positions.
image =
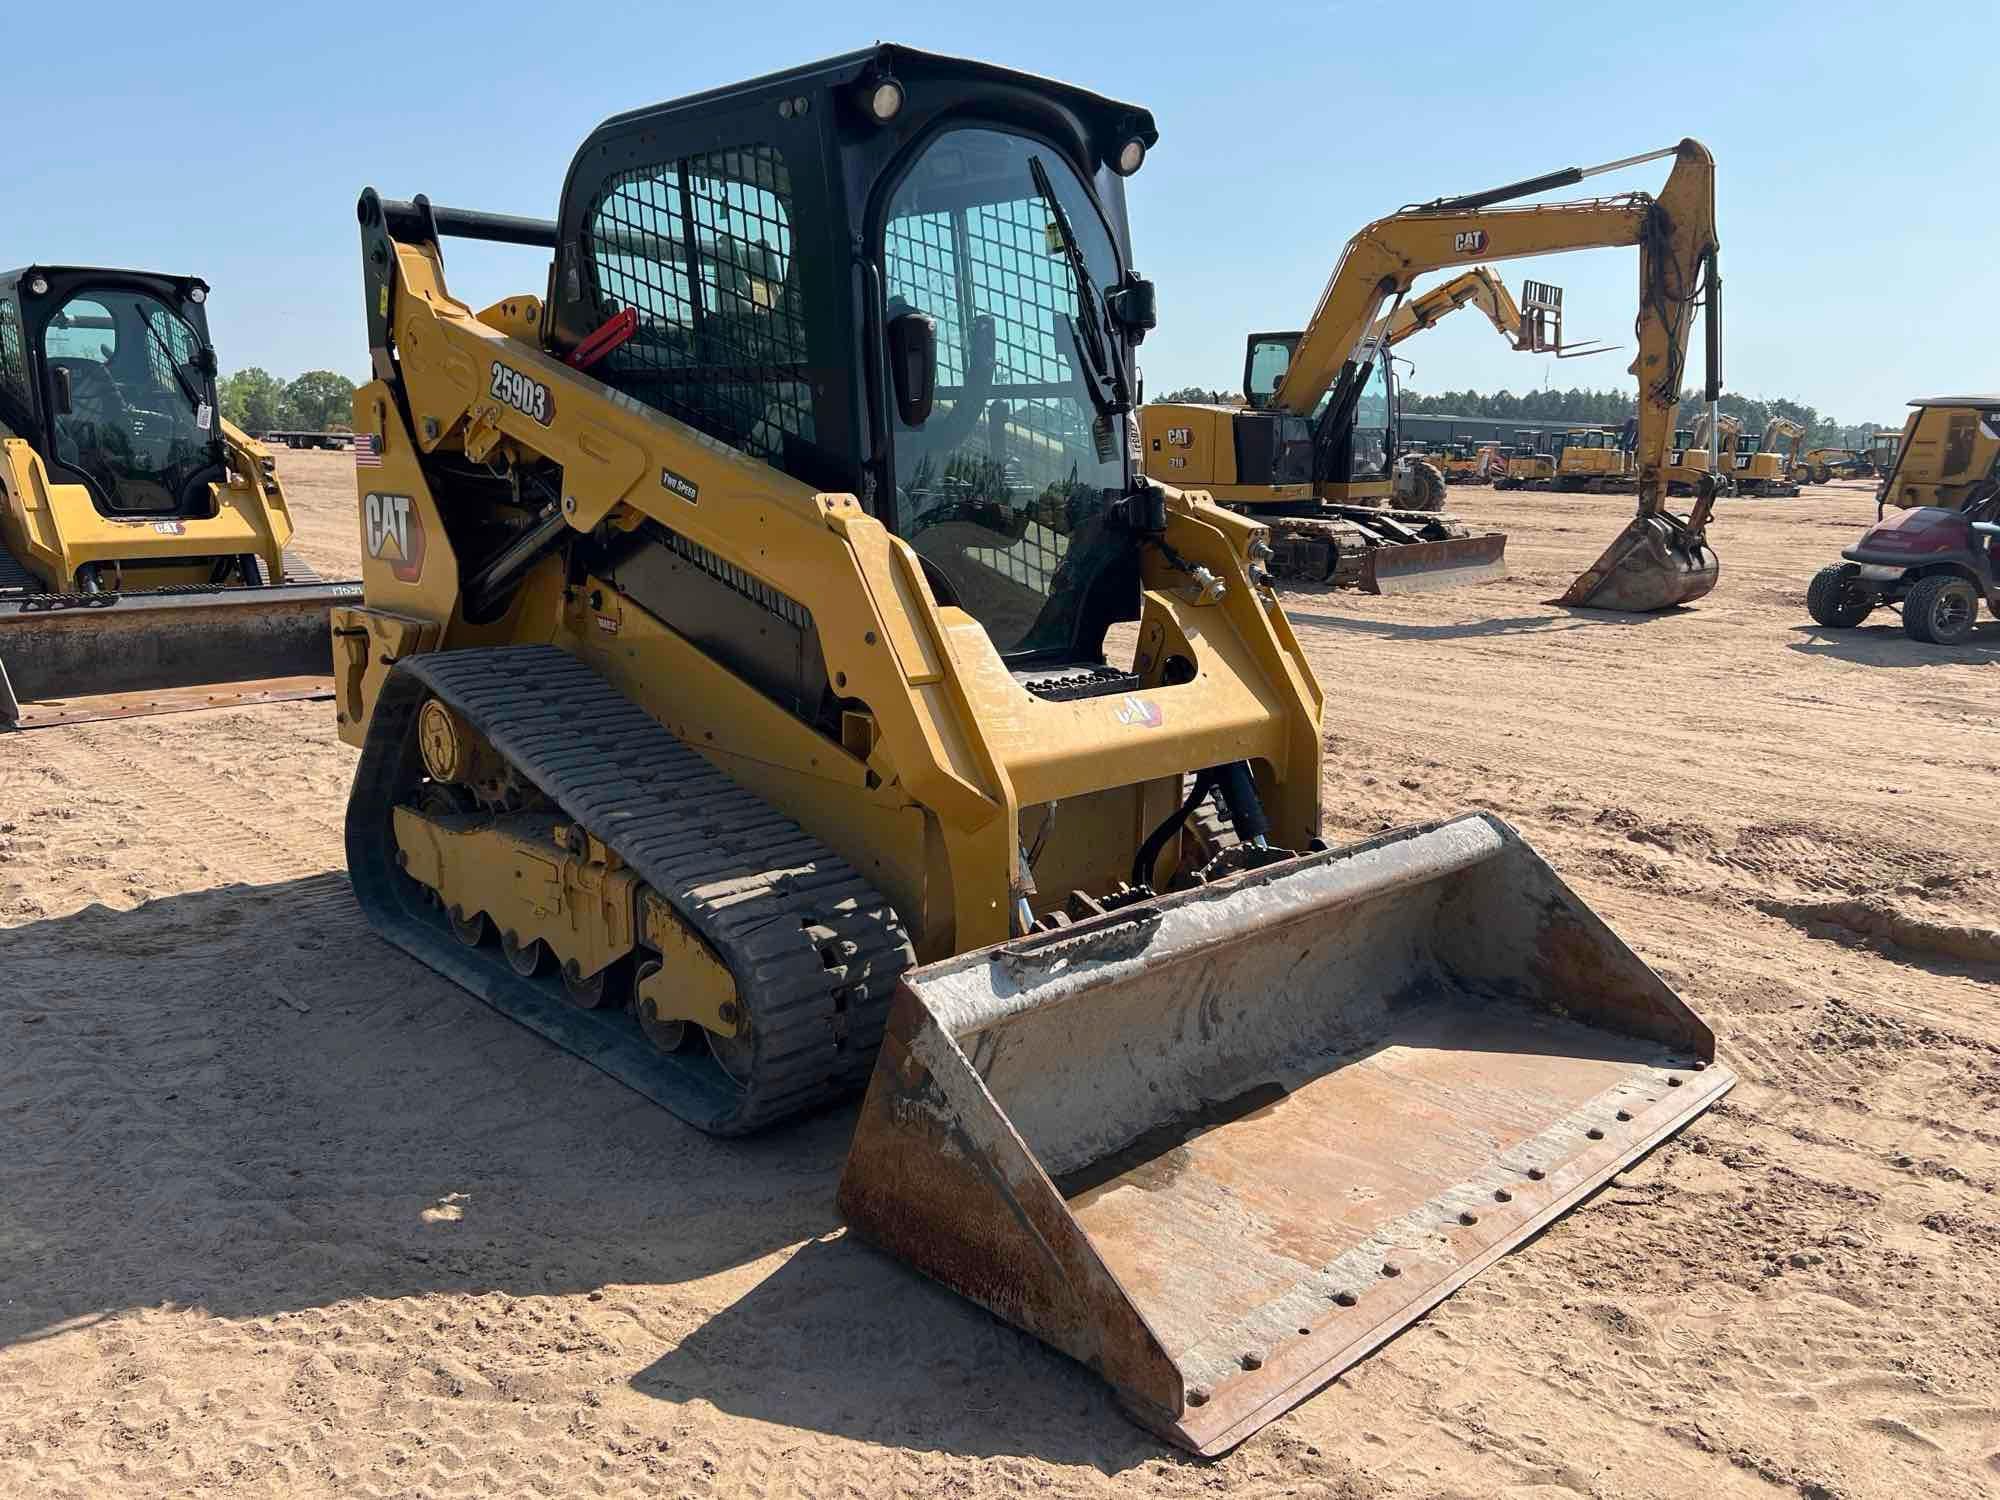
(777, 677)
(1704, 457)
(1291, 451)
(143, 538)
(1770, 464)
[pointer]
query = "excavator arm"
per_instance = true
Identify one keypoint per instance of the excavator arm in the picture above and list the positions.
(1785, 430)
(1660, 560)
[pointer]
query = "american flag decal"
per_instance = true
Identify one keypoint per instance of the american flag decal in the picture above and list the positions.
(367, 451)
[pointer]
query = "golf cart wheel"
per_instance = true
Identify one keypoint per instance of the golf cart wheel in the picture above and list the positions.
(1836, 600)
(1941, 609)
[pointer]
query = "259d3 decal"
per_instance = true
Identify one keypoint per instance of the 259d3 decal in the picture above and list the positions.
(524, 393)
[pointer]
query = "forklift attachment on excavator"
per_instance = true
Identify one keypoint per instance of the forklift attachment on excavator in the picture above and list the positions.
(1656, 562)
(1221, 1145)
(68, 658)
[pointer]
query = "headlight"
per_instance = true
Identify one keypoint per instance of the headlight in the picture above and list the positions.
(1131, 157)
(885, 100)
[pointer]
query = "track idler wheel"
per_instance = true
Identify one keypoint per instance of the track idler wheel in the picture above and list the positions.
(593, 993)
(667, 1036)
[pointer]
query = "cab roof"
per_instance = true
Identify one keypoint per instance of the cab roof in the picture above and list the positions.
(893, 60)
(63, 273)
(1984, 403)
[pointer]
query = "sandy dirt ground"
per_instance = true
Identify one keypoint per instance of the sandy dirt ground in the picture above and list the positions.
(281, 1213)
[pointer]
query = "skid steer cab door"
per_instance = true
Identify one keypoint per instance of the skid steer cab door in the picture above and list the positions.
(1003, 481)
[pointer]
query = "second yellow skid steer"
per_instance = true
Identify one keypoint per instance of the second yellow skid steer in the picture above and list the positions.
(143, 563)
(739, 707)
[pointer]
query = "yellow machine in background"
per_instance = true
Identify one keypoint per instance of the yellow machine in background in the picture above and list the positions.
(1592, 458)
(1819, 465)
(1879, 457)
(1469, 462)
(1305, 389)
(1764, 467)
(1705, 456)
(142, 537)
(1528, 464)
(1947, 455)
(736, 706)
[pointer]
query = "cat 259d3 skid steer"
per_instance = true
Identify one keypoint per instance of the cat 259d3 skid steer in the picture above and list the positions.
(737, 707)
(142, 536)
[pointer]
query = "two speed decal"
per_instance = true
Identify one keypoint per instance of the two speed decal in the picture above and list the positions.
(525, 394)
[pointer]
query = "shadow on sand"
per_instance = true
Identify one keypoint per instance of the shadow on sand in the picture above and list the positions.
(241, 1100)
(1886, 645)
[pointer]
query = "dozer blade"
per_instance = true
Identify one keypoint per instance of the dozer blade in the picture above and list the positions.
(69, 658)
(1220, 1145)
(1655, 563)
(1420, 567)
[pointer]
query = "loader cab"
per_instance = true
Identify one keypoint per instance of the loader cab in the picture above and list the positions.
(901, 275)
(111, 378)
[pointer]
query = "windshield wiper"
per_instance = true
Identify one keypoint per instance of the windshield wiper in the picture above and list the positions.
(173, 365)
(1103, 369)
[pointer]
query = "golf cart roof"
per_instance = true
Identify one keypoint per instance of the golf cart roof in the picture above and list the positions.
(1984, 403)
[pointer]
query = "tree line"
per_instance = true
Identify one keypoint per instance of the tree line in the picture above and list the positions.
(259, 402)
(1577, 407)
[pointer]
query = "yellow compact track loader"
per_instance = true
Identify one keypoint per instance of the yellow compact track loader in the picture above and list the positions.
(142, 537)
(776, 679)
(1294, 445)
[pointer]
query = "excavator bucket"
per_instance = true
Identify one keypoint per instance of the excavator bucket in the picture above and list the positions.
(1220, 1145)
(69, 658)
(1655, 563)
(1422, 567)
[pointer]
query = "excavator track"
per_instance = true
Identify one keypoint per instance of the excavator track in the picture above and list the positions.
(764, 893)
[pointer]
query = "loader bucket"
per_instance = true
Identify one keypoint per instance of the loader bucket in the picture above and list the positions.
(1655, 563)
(1421, 567)
(68, 658)
(1220, 1145)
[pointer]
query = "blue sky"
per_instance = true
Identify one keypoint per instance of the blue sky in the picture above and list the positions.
(1855, 149)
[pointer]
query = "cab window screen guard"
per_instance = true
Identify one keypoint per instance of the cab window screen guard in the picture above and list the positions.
(701, 250)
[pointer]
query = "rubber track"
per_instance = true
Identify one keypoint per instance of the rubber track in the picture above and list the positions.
(814, 948)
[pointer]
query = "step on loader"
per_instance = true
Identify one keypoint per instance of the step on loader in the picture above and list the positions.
(143, 564)
(737, 706)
